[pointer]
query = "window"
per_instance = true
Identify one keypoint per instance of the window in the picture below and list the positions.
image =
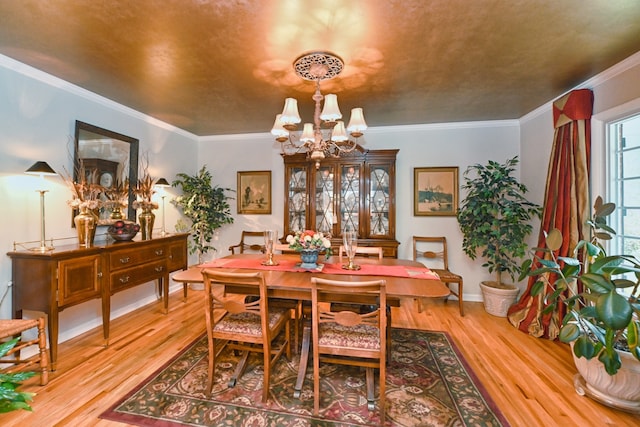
(623, 182)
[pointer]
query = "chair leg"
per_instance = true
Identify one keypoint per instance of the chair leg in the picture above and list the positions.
(460, 302)
(211, 369)
(266, 372)
(44, 355)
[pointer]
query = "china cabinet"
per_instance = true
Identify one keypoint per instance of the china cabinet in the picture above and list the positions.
(353, 192)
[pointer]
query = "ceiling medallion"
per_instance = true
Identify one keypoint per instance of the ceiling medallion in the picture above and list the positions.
(327, 135)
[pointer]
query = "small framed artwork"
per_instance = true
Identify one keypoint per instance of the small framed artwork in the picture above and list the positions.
(435, 191)
(254, 192)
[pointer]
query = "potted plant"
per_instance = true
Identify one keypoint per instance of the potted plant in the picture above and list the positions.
(10, 398)
(601, 321)
(205, 205)
(495, 218)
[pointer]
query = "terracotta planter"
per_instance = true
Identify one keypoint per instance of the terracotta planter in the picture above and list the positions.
(619, 391)
(497, 300)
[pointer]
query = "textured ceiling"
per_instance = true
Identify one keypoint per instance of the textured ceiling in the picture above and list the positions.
(224, 66)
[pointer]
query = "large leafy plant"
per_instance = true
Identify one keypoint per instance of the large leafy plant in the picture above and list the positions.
(602, 318)
(205, 205)
(495, 217)
(10, 398)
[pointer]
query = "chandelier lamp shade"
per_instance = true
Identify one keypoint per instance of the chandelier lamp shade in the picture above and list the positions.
(41, 169)
(327, 135)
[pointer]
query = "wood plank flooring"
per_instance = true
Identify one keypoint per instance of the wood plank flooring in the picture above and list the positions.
(531, 380)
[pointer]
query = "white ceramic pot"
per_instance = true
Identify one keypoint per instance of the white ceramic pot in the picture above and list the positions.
(621, 391)
(497, 300)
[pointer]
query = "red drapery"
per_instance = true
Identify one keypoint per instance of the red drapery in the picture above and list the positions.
(566, 202)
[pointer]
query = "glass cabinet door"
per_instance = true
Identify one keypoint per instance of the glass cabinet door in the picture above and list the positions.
(379, 200)
(349, 198)
(297, 198)
(324, 208)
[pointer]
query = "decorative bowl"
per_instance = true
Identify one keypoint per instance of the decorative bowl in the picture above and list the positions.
(122, 237)
(123, 231)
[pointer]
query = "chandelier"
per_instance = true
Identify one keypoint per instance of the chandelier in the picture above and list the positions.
(327, 135)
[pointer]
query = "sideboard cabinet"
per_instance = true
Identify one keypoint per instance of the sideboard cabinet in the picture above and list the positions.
(70, 275)
(353, 192)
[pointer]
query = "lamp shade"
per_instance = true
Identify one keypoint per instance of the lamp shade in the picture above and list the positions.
(41, 168)
(307, 133)
(278, 131)
(162, 183)
(290, 113)
(357, 123)
(331, 111)
(339, 133)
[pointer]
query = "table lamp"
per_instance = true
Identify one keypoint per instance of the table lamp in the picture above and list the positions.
(163, 183)
(42, 169)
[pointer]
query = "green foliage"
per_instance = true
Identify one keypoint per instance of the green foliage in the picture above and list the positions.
(600, 320)
(205, 205)
(495, 217)
(10, 398)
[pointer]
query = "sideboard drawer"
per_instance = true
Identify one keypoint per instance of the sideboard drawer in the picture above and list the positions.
(126, 258)
(125, 278)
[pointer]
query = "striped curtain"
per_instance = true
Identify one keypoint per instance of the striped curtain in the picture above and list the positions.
(566, 203)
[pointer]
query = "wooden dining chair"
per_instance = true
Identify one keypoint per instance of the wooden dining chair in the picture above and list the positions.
(248, 243)
(432, 252)
(247, 326)
(365, 251)
(349, 338)
(13, 360)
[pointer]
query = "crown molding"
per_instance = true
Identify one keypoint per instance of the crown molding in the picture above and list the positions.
(56, 82)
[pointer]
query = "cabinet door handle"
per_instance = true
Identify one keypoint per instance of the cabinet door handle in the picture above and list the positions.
(124, 279)
(159, 269)
(124, 260)
(100, 274)
(159, 252)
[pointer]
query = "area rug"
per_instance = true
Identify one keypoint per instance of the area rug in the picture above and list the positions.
(428, 384)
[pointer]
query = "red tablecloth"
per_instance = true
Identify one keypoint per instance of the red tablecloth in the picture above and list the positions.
(327, 268)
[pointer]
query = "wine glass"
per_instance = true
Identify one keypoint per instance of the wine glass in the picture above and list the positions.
(269, 241)
(350, 242)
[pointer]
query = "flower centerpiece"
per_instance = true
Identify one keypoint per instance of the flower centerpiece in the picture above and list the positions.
(309, 243)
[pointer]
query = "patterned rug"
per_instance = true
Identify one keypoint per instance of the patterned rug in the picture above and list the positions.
(428, 384)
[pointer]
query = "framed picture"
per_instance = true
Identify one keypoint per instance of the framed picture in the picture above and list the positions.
(254, 192)
(435, 191)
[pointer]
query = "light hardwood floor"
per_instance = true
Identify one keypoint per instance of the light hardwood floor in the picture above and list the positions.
(529, 379)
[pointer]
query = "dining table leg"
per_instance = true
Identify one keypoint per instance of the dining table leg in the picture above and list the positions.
(304, 360)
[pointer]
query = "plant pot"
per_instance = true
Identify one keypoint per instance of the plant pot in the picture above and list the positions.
(498, 299)
(618, 391)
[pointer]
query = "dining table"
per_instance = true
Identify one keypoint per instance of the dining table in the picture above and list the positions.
(404, 279)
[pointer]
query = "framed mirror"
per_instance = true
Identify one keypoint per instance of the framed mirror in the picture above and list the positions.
(111, 155)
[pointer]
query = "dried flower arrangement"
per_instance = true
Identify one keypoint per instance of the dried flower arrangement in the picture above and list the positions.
(144, 191)
(85, 192)
(117, 195)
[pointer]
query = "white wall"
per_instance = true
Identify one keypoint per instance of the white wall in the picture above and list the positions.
(37, 119)
(456, 144)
